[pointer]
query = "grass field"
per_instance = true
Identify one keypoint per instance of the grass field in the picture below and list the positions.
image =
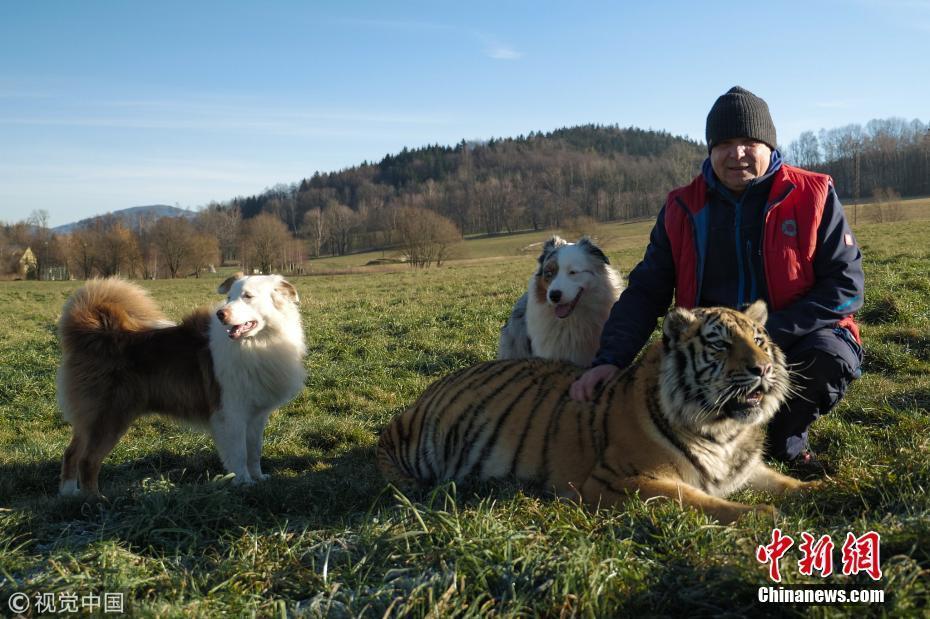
(324, 537)
(616, 234)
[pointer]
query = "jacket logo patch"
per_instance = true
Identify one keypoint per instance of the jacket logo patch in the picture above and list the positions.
(789, 227)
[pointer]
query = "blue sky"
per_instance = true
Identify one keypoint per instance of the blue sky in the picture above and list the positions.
(107, 105)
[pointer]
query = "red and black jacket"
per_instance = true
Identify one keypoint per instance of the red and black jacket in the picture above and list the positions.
(811, 264)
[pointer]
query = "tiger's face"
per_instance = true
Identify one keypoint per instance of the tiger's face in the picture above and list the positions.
(721, 368)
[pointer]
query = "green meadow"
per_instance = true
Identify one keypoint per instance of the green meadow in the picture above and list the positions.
(324, 536)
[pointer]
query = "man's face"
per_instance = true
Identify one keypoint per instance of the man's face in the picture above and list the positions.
(738, 161)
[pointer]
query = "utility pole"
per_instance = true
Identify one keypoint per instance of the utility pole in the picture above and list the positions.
(856, 193)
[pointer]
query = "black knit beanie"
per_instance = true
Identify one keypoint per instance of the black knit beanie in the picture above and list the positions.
(739, 114)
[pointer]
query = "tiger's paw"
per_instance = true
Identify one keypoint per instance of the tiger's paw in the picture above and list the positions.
(766, 511)
(808, 486)
(729, 516)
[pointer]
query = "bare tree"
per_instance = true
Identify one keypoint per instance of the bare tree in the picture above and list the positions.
(205, 252)
(284, 204)
(805, 151)
(174, 239)
(294, 256)
(81, 248)
(313, 229)
(7, 250)
(223, 223)
(264, 241)
(340, 222)
(583, 225)
(115, 250)
(887, 205)
(427, 237)
(148, 252)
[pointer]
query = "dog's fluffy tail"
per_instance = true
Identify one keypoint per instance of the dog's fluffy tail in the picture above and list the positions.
(107, 306)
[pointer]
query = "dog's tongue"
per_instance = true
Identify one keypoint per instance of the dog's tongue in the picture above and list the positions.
(236, 331)
(564, 309)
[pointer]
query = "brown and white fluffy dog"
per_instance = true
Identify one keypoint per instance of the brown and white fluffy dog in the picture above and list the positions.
(224, 369)
(567, 302)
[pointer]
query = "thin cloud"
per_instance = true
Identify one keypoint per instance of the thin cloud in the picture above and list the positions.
(4, 94)
(165, 170)
(209, 116)
(503, 52)
(909, 5)
(905, 14)
(250, 108)
(492, 49)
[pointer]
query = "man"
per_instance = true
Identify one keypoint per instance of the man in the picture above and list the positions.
(751, 227)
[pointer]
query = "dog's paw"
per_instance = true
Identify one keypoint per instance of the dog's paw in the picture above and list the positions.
(235, 479)
(69, 488)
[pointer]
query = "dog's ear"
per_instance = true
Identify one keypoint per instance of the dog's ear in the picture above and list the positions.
(227, 284)
(550, 246)
(591, 247)
(287, 290)
(758, 311)
(676, 323)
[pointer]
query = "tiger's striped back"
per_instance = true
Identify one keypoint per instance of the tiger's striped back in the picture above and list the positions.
(496, 420)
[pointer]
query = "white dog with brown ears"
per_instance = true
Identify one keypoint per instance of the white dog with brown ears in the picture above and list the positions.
(225, 369)
(567, 302)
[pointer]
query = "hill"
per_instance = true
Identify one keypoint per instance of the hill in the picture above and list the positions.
(502, 185)
(533, 182)
(130, 217)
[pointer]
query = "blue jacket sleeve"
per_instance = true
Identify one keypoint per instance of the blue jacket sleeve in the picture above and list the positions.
(839, 286)
(647, 297)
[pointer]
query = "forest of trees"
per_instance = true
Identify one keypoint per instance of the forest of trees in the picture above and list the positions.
(888, 154)
(531, 182)
(539, 181)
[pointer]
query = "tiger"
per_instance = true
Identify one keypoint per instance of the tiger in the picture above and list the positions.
(685, 421)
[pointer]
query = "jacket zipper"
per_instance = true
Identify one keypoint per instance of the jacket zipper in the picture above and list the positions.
(737, 222)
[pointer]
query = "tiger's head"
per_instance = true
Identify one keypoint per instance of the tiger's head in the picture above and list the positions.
(720, 368)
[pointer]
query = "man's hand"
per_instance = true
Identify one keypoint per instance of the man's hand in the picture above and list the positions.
(582, 390)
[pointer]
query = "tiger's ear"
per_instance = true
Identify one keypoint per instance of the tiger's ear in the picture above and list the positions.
(227, 284)
(550, 246)
(758, 311)
(677, 322)
(591, 247)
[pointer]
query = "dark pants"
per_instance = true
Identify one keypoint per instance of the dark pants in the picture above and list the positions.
(824, 363)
